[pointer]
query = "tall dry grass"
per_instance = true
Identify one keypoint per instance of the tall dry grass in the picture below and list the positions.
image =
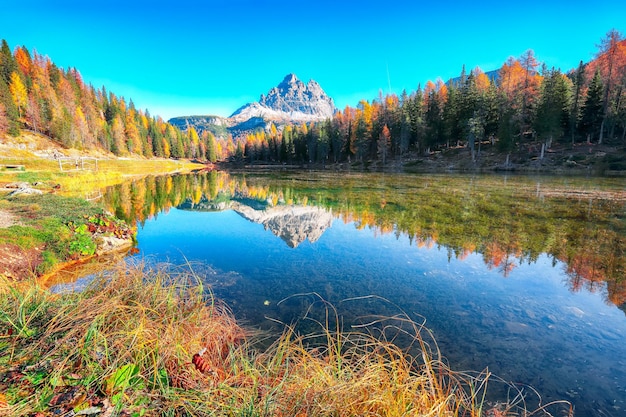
(141, 341)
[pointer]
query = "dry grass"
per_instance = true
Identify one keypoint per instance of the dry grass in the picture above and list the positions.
(140, 342)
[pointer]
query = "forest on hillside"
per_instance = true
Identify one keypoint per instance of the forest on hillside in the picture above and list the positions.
(37, 95)
(524, 104)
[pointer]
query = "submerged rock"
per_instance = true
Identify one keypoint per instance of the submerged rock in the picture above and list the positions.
(107, 244)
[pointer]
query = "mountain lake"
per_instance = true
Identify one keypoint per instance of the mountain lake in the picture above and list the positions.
(522, 276)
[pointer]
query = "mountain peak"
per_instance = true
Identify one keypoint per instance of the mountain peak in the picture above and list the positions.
(290, 79)
(291, 100)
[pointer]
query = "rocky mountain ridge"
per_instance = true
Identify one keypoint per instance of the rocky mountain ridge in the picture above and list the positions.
(291, 101)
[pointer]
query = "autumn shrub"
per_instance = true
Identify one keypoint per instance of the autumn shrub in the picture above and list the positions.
(140, 341)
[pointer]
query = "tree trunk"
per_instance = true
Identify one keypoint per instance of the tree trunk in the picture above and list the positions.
(543, 148)
(601, 131)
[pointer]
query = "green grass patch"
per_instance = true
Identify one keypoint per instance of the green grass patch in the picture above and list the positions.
(61, 228)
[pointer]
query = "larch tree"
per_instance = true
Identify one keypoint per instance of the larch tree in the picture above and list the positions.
(119, 146)
(384, 141)
(23, 60)
(132, 134)
(530, 90)
(34, 112)
(612, 57)
(194, 140)
(19, 93)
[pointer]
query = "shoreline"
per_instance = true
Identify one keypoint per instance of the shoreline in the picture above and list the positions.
(43, 201)
(578, 160)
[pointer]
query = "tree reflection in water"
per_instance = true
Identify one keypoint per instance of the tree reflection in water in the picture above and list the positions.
(508, 221)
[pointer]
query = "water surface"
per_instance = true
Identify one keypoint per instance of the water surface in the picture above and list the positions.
(522, 276)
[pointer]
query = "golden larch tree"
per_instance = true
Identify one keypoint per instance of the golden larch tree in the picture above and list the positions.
(18, 92)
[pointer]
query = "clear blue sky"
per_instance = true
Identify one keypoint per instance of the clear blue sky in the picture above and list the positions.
(211, 57)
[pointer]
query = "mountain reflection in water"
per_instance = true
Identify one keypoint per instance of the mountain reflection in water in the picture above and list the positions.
(293, 224)
(516, 274)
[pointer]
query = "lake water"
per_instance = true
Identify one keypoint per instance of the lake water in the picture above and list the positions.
(523, 276)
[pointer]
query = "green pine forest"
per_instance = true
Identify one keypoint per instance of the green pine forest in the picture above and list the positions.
(523, 106)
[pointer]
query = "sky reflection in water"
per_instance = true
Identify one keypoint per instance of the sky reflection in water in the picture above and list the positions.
(528, 328)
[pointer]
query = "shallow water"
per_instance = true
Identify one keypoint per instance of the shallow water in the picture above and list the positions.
(279, 245)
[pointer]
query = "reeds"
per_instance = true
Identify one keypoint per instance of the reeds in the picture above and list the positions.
(146, 342)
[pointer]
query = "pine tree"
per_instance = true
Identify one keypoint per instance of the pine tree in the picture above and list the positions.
(211, 147)
(552, 110)
(13, 127)
(7, 62)
(591, 118)
(578, 81)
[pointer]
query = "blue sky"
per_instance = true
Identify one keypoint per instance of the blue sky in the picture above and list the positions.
(211, 57)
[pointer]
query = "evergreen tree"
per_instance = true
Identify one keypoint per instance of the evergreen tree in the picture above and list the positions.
(7, 62)
(211, 151)
(13, 127)
(433, 121)
(552, 110)
(491, 111)
(452, 114)
(416, 118)
(592, 115)
(578, 81)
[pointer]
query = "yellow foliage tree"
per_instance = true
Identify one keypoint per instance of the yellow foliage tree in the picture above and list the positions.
(482, 81)
(23, 60)
(132, 133)
(18, 92)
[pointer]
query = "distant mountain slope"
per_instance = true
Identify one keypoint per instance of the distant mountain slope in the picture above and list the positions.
(290, 101)
(214, 124)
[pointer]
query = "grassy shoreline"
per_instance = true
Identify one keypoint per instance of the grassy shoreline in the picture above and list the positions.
(59, 226)
(143, 342)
